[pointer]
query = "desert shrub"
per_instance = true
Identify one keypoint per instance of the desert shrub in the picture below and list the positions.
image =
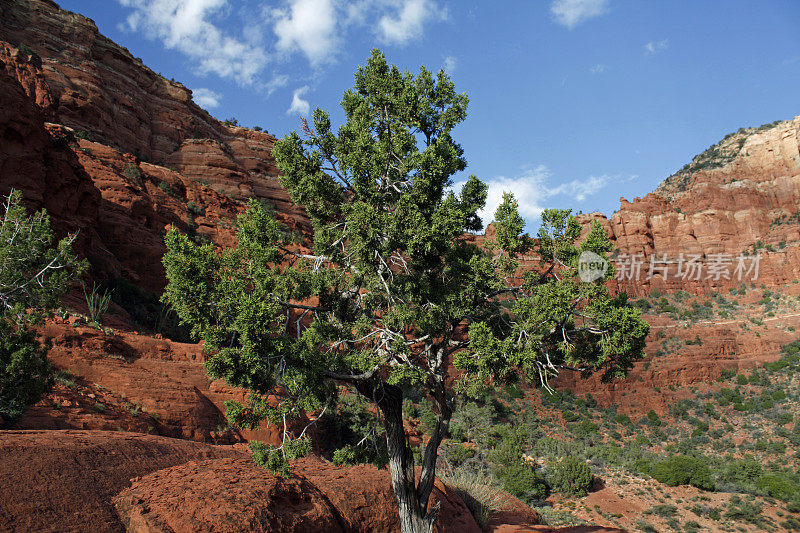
(132, 172)
(25, 372)
(779, 486)
(521, 480)
(584, 429)
(514, 391)
(663, 510)
(743, 510)
(195, 209)
(683, 470)
(645, 527)
(471, 422)
(457, 454)
(739, 472)
(569, 476)
(34, 274)
(624, 420)
(653, 419)
(725, 375)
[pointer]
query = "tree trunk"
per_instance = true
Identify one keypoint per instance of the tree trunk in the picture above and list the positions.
(412, 509)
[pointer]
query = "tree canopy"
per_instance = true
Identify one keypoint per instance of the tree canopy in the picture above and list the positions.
(390, 292)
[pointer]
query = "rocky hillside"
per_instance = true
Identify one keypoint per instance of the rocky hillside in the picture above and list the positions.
(131, 152)
(118, 153)
(741, 196)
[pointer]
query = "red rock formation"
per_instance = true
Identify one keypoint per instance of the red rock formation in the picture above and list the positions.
(163, 379)
(64, 480)
(741, 194)
(67, 73)
(85, 81)
(235, 494)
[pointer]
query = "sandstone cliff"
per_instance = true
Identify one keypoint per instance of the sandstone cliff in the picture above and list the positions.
(129, 149)
(741, 196)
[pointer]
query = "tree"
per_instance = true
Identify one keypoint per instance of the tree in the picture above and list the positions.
(391, 294)
(33, 277)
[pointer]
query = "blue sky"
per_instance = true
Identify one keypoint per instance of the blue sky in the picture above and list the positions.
(573, 103)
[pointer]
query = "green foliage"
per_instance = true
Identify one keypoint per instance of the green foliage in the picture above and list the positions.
(351, 433)
(34, 275)
(569, 476)
(231, 122)
(195, 209)
(744, 510)
(96, 303)
(521, 480)
(683, 470)
(276, 458)
(379, 301)
(132, 172)
(25, 372)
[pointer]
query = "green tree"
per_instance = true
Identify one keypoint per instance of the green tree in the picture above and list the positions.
(33, 277)
(390, 294)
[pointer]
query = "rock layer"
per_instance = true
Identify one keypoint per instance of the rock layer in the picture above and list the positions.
(741, 196)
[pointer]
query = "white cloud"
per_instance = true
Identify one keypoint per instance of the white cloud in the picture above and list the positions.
(529, 190)
(277, 81)
(309, 26)
(450, 64)
(406, 21)
(299, 106)
(186, 26)
(570, 13)
(532, 192)
(316, 29)
(598, 69)
(654, 47)
(206, 98)
(580, 189)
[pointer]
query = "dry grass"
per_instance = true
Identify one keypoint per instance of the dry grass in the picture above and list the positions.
(480, 492)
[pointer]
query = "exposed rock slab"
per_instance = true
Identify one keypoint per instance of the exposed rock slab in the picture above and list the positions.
(64, 480)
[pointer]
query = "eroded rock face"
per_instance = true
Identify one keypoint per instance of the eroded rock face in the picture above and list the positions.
(160, 378)
(742, 196)
(109, 116)
(225, 495)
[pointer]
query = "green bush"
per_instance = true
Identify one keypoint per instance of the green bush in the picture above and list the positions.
(25, 373)
(523, 482)
(683, 470)
(34, 275)
(570, 476)
(778, 486)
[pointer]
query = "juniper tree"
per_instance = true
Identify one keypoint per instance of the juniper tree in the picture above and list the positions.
(34, 274)
(390, 295)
